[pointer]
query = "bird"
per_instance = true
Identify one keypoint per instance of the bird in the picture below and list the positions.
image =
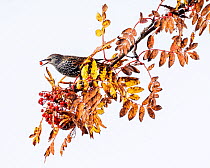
(66, 64)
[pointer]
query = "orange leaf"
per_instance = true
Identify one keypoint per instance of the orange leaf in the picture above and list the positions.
(151, 112)
(146, 54)
(150, 41)
(205, 10)
(125, 108)
(171, 59)
(150, 67)
(141, 113)
(163, 57)
(153, 54)
(132, 112)
(157, 107)
(104, 8)
(181, 58)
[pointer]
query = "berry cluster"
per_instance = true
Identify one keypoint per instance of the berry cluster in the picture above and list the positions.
(56, 104)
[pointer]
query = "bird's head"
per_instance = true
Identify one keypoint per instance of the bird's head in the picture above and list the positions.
(53, 59)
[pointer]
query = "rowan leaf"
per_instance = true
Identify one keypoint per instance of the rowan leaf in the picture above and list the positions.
(132, 112)
(163, 57)
(141, 113)
(171, 59)
(94, 70)
(157, 107)
(53, 133)
(146, 54)
(153, 54)
(106, 23)
(181, 58)
(99, 17)
(150, 42)
(104, 8)
(205, 10)
(84, 71)
(203, 27)
(134, 97)
(125, 108)
(151, 112)
(135, 90)
(151, 67)
(103, 73)
(98, 32)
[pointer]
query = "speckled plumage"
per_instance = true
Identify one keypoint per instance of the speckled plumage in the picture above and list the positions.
(66, 65)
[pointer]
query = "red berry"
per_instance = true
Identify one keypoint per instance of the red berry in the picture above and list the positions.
(40, 63)
(62, 103)
(40, 94)
(48, 103)
(42, 110)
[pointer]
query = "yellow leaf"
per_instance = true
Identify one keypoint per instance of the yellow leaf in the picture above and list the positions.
(84, 71)
(98, 32)
(95, 129)
(134, 89)
(106, 23)
(134, 97)
(94, 70)
(112, 91)
(103, 73)
(99, 17)
(100, 111)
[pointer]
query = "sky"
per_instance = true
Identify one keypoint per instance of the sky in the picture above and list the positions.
(32, 30)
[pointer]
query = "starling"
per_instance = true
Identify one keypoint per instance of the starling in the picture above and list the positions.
(66, 65)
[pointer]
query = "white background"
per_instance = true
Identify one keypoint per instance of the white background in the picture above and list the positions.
(32, 30)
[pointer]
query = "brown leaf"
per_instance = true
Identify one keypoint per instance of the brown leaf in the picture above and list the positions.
(181, 58)
(146, 101)
(150, 41)
(205, 10)
(199, 5)
(53, 133)
(146, 54)
(155, 13)
(203, 27)
(125, 108)
(150, 67)
(208, 16)
(198, 25)
(186, 57)
(126, 70)
(151, 112)
(163, 23)
(171, 59)
(132, 112)
(184, 42)
(141, 113)
(134, 69)
(194, 19)
(157, 107)
(153, 54)
(163, 57)
(104, 8)
(194, 55)
(171, 25)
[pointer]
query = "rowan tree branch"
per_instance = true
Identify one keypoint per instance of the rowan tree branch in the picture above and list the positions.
(143, 34)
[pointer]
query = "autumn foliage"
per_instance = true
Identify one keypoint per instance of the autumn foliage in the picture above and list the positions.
(81, 103)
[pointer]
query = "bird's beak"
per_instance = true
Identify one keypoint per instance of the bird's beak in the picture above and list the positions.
(48, 60)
